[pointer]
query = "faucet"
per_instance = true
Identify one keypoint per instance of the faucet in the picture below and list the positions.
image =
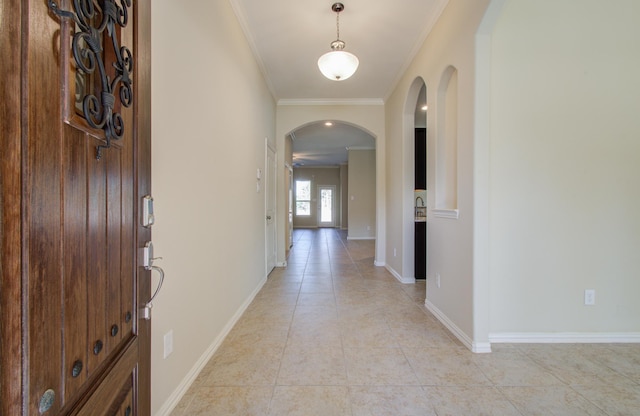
(421, 201)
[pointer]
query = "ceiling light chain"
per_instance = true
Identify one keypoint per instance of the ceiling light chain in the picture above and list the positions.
(338, 22)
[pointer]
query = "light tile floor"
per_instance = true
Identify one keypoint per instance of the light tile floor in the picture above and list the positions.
(334, 335)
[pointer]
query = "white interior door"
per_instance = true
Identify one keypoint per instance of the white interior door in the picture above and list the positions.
(326, 206)
(270, 205)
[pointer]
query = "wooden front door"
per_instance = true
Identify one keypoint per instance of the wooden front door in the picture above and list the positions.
(71, 286)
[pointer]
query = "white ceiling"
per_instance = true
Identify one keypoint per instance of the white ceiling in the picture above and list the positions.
(288, 37)
(318, 144)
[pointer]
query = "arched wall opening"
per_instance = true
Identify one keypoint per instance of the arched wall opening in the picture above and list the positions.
(366, 116)
(338, 157)
(414, 183)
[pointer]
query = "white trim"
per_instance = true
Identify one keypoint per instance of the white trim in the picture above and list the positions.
(565, 337)
(175, 397)
(476, 347)
(334, 194)
(269, 188)
(482, 171)
(404, 280)
(281, 264)
(240, 13)
(453, 214)
(379, 263)
(331, 101)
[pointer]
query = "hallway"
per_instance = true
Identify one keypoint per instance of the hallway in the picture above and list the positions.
(334, 335)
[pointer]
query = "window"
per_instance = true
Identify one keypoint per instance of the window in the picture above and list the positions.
(303, 198)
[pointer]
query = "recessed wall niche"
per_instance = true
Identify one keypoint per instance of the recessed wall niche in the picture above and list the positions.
(447, 141)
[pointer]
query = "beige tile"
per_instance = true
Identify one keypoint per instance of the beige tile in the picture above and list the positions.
(310, 401)
(280, 286)
(389, 401)
(512, 368)
(315, 334)
(231, 401)
(183, 405)
(445, 367)
(316, 299)
(471, 400)
(622, 358)
(261, 338)
(369, 311)
(323, 285)
(571, 366)
(544, 401)
(364, 334)
(304, 315)
(249, 332)
(246, 366)
(312, 366)
(424, 335)
(378, 366)
(268, 313)
(276, 296)
(615, 400)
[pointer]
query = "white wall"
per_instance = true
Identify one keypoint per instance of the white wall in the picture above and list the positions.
(367, 116)
(206, 150)
(344, 196)
(450, 241)
(362, 194)
(564, 169)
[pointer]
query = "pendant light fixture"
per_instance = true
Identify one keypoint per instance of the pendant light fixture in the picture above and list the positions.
(338, 64)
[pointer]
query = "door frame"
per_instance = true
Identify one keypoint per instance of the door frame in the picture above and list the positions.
(331, 224)
(271, 220)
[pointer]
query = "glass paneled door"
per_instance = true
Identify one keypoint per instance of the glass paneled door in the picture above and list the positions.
(326, 206)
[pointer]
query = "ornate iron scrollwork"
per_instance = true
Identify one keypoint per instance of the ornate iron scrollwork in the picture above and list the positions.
(92, 18)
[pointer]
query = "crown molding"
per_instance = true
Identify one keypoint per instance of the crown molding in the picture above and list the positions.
(322, 101)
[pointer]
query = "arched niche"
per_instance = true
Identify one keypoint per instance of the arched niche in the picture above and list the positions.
(446, 192)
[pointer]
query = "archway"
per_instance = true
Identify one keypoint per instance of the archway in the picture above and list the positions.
(368, 116)
(334, 155)
(414, 192)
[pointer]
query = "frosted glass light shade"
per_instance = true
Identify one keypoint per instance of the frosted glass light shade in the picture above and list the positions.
(338, 65)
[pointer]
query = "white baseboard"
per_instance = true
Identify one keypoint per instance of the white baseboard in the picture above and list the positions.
(281, 264)
(565, 337)
(175, 397)
(379, 263)
(405, 280)
(477, 347)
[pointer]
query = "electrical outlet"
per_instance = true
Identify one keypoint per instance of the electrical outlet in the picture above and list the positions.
(168, 343)
(589, 297)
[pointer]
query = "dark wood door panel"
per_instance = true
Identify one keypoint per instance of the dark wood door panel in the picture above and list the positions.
(75, 306)
(11, 350)
(42, 212)
(68, 283)
(115, 389)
